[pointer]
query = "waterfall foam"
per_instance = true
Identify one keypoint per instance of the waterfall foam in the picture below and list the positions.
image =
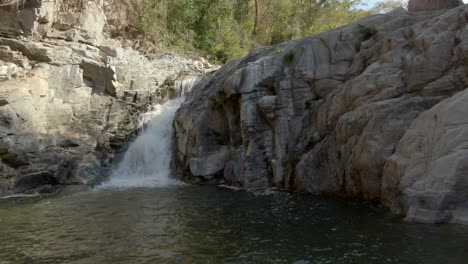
(147, 160)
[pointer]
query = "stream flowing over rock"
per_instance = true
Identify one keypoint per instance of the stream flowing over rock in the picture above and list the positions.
(71, 94)
(375, 110)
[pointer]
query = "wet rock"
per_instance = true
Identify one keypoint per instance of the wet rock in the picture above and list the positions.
(43, 189)
(33, 180)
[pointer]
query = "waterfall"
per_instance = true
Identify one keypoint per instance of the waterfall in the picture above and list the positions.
(147, 160)
(184, 86)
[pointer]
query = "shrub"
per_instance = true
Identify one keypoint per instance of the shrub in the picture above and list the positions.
(215, 105)
(223, 30)
(288, 58)
(277, 49)
(169, 82)
(220, 138)
(426, 44)
(368, 31)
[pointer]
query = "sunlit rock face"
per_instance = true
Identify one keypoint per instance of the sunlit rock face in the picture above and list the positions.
(376, 116)
(431, 5)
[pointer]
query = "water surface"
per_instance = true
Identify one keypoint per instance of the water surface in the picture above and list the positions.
(196, 224)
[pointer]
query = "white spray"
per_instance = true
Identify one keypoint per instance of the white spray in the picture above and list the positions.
(147, 160)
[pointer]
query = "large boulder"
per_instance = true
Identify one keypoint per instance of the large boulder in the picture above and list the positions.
(431, 5)
(430, 165)
(335, 113)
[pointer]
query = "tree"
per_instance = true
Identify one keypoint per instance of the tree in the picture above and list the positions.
(388, 6)
(255, 18)
(227, 29)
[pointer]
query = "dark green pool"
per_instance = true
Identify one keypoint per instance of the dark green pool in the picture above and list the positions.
(211, 225)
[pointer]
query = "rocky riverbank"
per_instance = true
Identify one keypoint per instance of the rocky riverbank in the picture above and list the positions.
(70, 94)
(375, 110)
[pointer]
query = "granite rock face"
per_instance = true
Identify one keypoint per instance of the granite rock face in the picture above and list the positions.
(70, 97)
(430, 165)
(348, 112)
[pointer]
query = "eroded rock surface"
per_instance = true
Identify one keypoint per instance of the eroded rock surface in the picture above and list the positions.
(430, 165)
(347, 112)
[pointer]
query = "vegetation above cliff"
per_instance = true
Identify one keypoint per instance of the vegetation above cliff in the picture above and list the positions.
(227, 29)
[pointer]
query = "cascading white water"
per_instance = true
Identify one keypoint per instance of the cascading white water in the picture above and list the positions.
(147, 160)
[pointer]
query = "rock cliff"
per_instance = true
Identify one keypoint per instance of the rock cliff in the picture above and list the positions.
(70, 95)
(375, 110)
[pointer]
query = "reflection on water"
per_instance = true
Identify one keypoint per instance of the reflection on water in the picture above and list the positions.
(210, 225)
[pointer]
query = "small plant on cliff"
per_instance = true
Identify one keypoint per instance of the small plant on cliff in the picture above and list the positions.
(277, 49)
(215, 105)
(368, 31)
(426, 44)
(169, 82)
(288, 58)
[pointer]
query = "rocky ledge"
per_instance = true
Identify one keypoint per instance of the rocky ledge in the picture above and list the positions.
(375, 110)
(70, 95)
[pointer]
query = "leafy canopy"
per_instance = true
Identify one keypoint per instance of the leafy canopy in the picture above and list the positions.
(226, 29)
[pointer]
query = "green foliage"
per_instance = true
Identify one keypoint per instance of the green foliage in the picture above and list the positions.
(288, 58)
(220, 138)
(426, 44)
(169, 82)
(215, 105)
(368, 31)
(223, 30)
(277, 49)
(387, 6)
(308, 104)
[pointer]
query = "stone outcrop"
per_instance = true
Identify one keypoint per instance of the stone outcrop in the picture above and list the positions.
(430, 164)
(431, 5)
(374, 110)
(70, 97)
